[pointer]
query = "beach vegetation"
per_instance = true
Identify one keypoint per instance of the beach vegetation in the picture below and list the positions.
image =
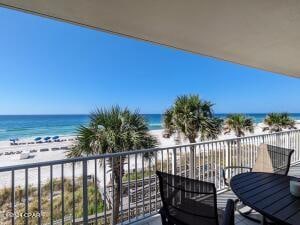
(69, 201)
(239, 124)
(276, 122)
(192, 117)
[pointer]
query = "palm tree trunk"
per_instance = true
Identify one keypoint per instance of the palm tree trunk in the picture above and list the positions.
(117, 179)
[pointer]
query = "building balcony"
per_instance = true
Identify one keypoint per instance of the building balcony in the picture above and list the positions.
(222, 199)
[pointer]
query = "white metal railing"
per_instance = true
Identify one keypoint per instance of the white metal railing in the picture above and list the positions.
(83, 190)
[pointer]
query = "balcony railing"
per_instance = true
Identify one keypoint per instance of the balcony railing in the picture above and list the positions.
(85, 190)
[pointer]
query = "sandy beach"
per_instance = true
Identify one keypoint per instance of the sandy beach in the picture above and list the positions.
(39, 152)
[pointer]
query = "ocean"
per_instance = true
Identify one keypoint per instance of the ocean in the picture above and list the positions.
(29, 126)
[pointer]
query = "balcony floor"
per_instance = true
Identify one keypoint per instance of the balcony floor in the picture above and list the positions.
(222, 199)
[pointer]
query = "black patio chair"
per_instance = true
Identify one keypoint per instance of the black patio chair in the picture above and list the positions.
(270, 159)
(191, 202)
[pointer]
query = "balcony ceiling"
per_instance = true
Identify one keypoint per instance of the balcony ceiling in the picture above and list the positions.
(259, 33)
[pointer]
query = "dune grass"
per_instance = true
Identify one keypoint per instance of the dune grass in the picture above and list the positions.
(67, 197)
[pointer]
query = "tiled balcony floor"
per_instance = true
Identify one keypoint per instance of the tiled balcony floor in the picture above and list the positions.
(222, 199)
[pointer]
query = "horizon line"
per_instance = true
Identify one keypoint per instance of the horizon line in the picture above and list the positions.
(86, 114)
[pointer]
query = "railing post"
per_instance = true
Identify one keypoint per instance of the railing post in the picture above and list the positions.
(289, 140)
(239, 153)
(297, 145)
(174, 163)
(277, 140)
(85, 192)
(227, 155)
(13, 196)
(192, 160)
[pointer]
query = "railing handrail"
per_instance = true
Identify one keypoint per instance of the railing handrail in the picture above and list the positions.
(131, 152)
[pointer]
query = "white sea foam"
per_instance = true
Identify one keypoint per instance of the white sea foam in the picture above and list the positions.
(155, 124)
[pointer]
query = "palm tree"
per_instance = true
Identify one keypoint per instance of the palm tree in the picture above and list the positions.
(110, 131)
(239, 124)
(193, 118)
(276, 122)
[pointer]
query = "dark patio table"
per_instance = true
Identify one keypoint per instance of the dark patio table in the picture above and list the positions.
(269, 194)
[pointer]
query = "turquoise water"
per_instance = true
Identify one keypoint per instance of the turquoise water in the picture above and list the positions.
(51, 125)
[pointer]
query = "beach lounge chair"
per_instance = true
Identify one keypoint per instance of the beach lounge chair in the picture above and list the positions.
(25, 155)
(56, 139)
(166, 134)
(270, 159)
(191, 202)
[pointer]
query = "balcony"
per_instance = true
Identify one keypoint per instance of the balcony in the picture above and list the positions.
(87, 190)
(222, 199)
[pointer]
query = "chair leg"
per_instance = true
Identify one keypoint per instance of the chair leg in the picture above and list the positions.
(246, 214)
(163, 217)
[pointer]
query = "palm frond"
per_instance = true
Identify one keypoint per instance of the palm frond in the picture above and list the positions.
(168, 123)
(193, 118)
(279, 121)
(239, 124)
(113, 130)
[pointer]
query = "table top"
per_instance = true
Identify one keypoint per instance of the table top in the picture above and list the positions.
(269, 194)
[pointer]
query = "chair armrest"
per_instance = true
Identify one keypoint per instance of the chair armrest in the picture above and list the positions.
(233, 167)
(229, 213)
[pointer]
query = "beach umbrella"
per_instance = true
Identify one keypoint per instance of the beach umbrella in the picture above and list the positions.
(55, 137)
(37, 139)
(47, 138)
(14, 139)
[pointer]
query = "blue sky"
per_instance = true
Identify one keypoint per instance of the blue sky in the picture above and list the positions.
(50, 67)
